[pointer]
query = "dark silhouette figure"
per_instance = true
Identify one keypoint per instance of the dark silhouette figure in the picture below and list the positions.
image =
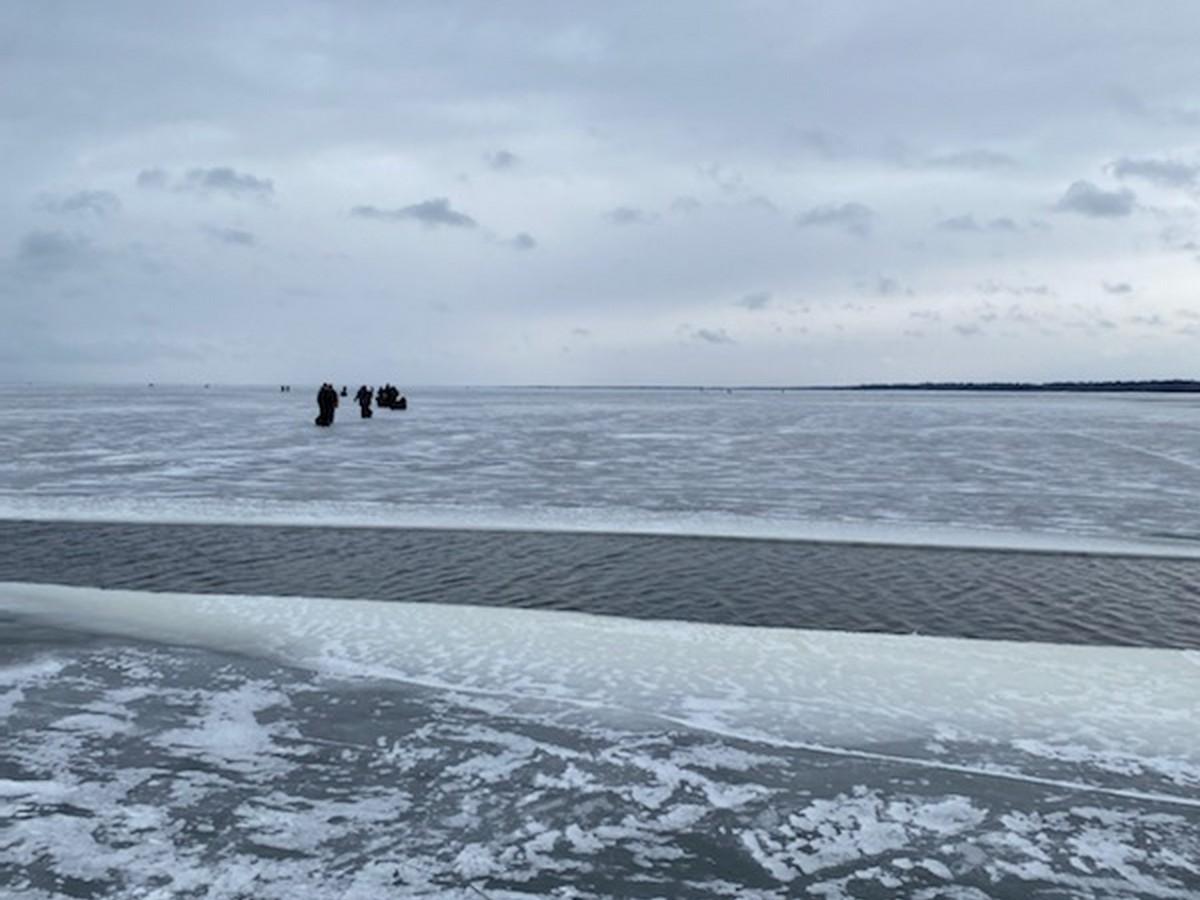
(327, 402)
(345, 393)
(389, 397)
(363, 398)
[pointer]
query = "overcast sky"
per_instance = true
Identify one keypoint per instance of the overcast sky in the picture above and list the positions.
(585, 193)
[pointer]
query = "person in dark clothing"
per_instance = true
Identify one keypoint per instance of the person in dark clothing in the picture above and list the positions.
(327, 401)
(322, 418)
(363, 398)
(345, 393)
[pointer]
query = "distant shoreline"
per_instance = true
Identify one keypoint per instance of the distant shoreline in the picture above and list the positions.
(1172, 386)
(1163, 386)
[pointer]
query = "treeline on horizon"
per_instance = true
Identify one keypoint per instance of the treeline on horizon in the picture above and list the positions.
(1165, 386)
(1174, 385)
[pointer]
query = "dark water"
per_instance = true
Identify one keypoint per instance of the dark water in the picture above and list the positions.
(1015, 595)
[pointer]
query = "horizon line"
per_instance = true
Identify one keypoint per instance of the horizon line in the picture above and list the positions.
(1118, 384)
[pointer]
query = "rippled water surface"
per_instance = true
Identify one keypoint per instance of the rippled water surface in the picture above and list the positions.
(1011, 595)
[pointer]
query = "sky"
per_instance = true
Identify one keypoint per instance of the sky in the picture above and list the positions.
(689, 192)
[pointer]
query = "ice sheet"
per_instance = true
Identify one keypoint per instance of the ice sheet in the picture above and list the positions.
(1046, 471)
(830, 691)
(223, 747)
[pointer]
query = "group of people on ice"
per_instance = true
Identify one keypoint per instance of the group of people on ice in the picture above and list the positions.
(387, 397)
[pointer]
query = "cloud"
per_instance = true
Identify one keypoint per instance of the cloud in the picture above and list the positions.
(822, 143)
(152, 179)
(523, 241)
(966, 223)
(223, 179)
(886, 286)
(430, 213)
(52, 250)
(991, 287)
(628, 215)
(215, 180)
(761, 203)
(233, 236)
(97, 203)
(1153, 321)
(855, 218)
(754, 301)
(686, 205)
(712, 336)
(1165, 172)
(502, 159)
(1086, 199)
(728, 180)
(959, 223)
(1119, 287)
(1179, 237)
(976, 160)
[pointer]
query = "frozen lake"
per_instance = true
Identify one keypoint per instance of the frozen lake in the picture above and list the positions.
(1048, 469)
(749, 678)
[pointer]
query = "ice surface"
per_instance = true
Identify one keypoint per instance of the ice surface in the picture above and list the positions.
(1045, 471)
(224, 747)
(837, 692)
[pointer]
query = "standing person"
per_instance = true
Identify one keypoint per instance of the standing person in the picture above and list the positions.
(363, 397)
(322, 418)
(327, 401)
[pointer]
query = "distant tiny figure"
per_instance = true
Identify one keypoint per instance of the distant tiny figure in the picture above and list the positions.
(327, 402)
(345, 393)
(363, 397)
